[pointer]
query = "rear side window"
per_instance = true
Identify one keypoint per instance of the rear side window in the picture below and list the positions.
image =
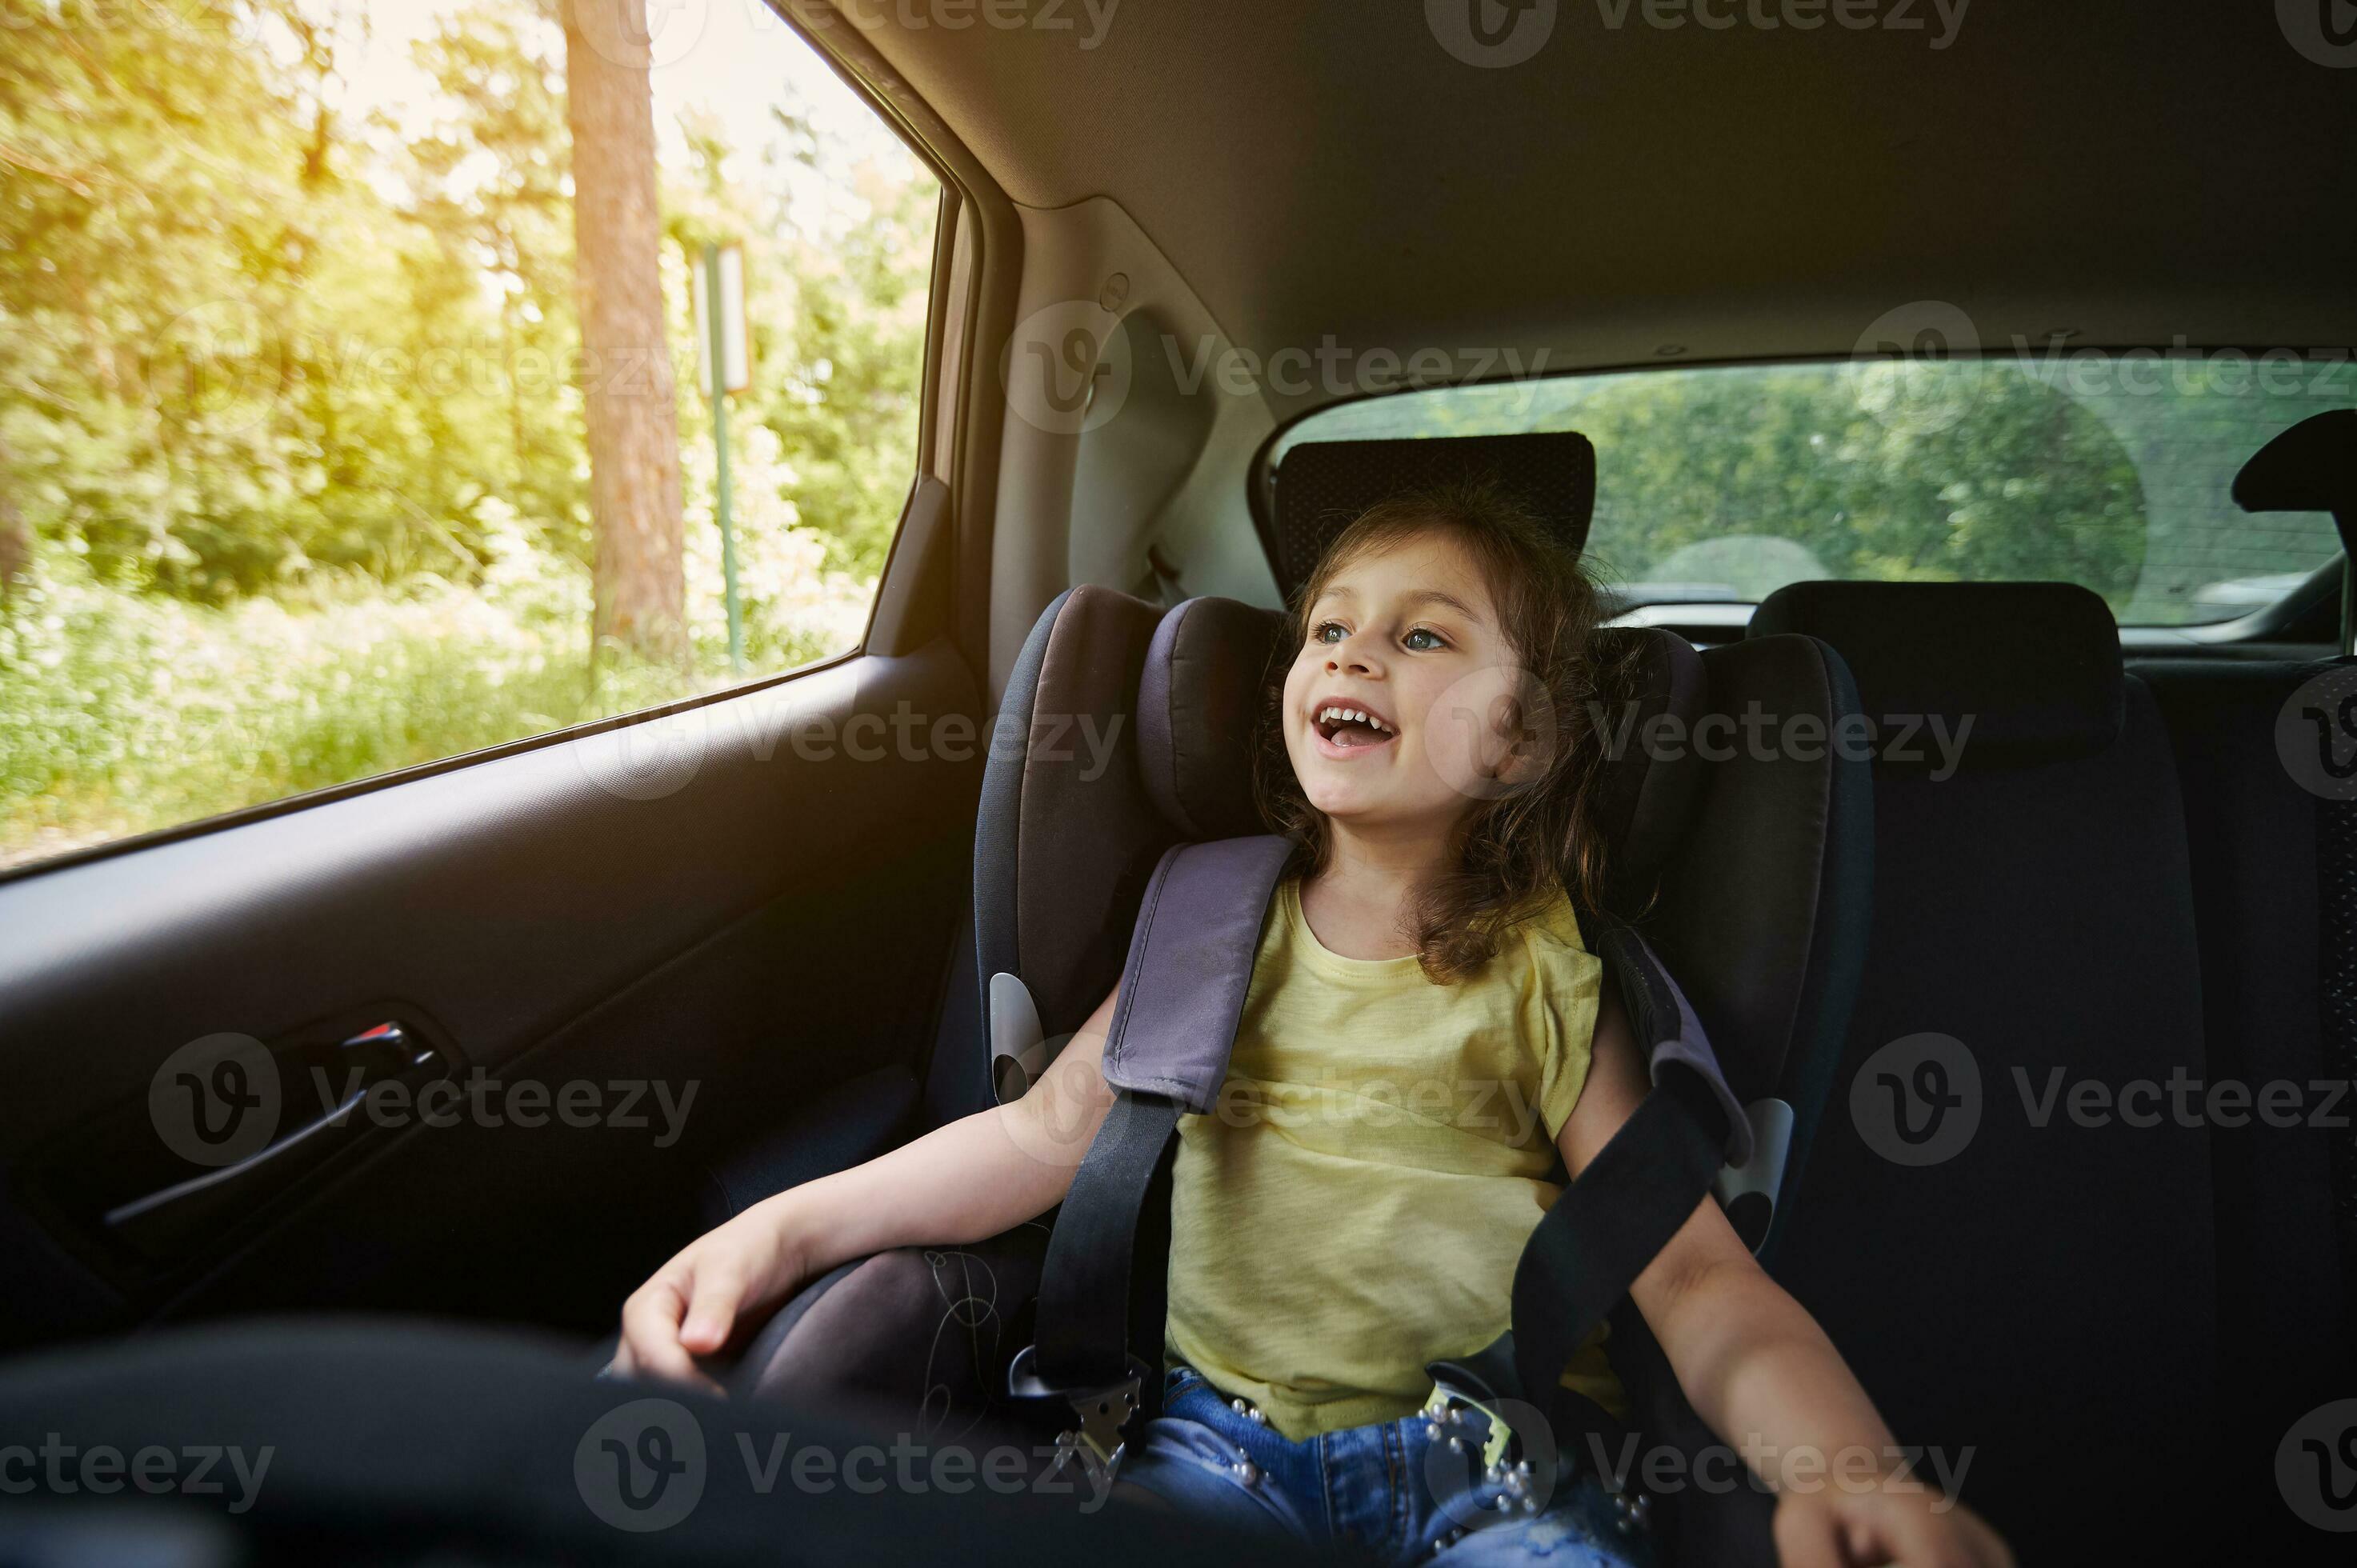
(2107, 470)
(352, 413)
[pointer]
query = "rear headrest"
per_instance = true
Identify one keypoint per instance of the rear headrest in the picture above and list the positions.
(2034, 668)
(1322, 486)
(1198, 697)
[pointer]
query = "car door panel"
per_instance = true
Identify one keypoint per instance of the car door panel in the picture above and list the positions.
(753, 896)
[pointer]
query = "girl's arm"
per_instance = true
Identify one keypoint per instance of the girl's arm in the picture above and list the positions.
(1761, 1371)
(970, 1179)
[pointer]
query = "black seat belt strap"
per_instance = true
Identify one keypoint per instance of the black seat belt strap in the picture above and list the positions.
(1182, 993)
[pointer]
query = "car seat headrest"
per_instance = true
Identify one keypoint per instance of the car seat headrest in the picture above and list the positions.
(1647, 794)
(1199, 697)
(2311, 467)
(1198, 703)
(2033, 667)
(1321, 485)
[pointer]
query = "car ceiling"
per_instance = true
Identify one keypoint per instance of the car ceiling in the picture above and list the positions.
(2135, 173)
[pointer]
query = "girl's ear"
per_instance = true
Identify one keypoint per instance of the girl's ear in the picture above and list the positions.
(1527, 729)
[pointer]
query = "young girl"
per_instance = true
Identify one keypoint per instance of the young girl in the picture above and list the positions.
(1425, 1032)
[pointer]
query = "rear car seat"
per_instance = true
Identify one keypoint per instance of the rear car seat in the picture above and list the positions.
(2266, 894)
(2040, 1296)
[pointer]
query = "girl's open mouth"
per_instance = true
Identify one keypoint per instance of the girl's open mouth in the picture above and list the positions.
(1343, 729)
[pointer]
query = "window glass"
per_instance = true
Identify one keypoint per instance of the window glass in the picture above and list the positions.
(2108, 470)
(315, 463)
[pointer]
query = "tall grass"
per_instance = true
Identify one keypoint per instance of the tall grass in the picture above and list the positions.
(122, 711)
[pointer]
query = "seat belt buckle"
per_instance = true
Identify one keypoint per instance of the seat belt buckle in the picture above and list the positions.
(1449, 1417)
(1097, 1444)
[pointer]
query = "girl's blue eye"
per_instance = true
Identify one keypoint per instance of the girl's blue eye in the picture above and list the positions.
(1427, 647)
(1317, 634)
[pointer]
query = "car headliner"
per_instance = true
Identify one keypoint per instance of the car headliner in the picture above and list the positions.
(2134, 174)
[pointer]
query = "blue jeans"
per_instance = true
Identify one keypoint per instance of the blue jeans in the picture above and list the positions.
(1388, 1490)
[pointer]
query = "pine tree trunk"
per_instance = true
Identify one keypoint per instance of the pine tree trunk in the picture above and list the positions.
(633, 422)
(15, 537)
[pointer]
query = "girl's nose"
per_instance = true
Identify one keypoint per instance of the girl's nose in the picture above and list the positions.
(1354, 656)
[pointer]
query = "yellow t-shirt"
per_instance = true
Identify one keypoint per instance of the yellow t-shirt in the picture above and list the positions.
(1354, 1205)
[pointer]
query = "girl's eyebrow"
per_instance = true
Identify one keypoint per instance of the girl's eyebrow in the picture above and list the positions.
(1435, 595)
(1413, 597)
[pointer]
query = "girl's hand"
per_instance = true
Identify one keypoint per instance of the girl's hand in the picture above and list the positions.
(1911, 1525)
(692, 1306)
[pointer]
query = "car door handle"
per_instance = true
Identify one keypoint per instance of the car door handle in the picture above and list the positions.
(156, 1222)
(121, 1182)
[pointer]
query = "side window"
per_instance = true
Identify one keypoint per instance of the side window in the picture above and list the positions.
(353, 410)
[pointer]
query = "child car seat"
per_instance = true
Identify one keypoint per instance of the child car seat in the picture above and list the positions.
(1126, 731)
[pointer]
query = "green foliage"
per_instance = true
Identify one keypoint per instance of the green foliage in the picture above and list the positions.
(288, 405)
(2006, 468)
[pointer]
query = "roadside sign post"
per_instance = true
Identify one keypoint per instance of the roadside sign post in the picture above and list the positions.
(727, 368)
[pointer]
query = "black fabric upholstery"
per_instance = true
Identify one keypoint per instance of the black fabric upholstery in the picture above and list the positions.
(1322, 486)
(1198, 700)
(1648, 796)
(1762, 913)
(1068, 835)
(2046, 1296)
(2034, 667)
(2258, 871)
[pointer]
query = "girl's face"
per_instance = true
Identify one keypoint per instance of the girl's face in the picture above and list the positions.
(1407, 641)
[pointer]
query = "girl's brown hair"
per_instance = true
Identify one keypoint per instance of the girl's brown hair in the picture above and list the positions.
(1513, 852)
